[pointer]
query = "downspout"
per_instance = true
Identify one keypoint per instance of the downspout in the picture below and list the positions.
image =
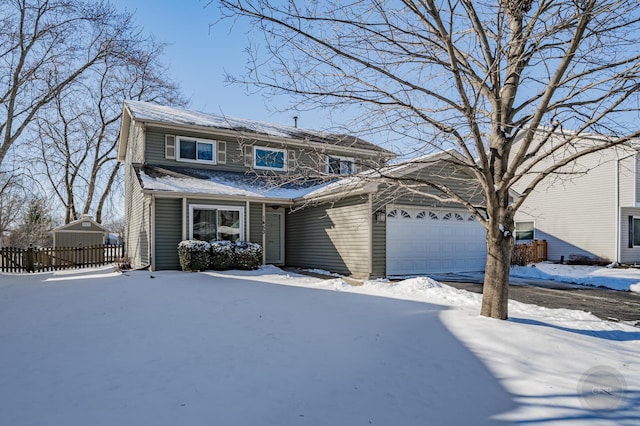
(247, 219)
(617, 211)
(264, 234)
(371, 223)
(152, 227)
(185, 219)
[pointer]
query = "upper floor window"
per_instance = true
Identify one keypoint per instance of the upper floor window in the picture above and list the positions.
(195, 149)
(340, 166)
(269, 158)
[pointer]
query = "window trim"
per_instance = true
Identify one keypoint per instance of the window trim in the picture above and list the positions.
(341, 159)
(285, 161)
(212, 142)
(515, 230)
(632, 228)
(216, 207)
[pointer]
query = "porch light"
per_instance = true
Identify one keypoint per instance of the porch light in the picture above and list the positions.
(380, 216)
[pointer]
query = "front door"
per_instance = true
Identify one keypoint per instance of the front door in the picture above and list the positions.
(274, 247)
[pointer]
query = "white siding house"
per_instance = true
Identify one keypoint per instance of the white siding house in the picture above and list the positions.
(585, 210)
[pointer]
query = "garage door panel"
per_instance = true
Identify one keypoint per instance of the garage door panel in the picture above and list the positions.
(420, 244)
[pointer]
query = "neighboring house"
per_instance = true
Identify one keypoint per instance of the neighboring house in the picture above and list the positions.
(83, 232)
(590, 210)
(309, 198)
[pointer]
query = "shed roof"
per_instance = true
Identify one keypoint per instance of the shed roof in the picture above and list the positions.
(76, 225)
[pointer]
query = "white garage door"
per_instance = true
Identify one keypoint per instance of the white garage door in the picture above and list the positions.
(423, 241)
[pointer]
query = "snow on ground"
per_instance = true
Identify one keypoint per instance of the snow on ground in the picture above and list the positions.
(594, 276)
(273, 348)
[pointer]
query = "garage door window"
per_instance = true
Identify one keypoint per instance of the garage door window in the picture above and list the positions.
(399, 214)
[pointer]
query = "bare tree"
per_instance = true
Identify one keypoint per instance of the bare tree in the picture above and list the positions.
(78, 133)
(46, 46)
(493, 80)
(12, 200)
(35, 226)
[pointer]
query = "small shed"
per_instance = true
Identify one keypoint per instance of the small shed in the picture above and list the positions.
(83, 232)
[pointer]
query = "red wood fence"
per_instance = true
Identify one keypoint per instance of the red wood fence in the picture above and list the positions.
(535, 251)
(18, 260)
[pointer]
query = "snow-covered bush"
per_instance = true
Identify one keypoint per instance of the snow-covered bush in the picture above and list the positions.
(238, 255)
(194, 255)
(247, 255)
(222, 255)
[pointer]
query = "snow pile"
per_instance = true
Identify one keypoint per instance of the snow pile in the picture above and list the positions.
(422, 289)
(593, 276)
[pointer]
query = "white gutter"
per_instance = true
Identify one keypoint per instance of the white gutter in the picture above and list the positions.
(174, 194)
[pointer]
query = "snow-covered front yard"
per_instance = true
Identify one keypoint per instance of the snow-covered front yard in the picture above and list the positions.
(272, 348)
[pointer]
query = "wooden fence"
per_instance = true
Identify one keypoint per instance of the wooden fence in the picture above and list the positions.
(535, 251)
(18, 260)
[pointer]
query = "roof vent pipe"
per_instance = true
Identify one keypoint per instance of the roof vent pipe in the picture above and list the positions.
(295, 121)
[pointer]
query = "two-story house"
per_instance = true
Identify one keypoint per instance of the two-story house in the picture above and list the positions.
(308, 197)
(589, 209)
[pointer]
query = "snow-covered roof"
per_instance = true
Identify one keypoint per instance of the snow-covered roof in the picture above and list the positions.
(159, 114)
(84, 224)
(185, 180)
(191, 180)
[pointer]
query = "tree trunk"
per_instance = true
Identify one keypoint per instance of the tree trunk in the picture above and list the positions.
(495, 292)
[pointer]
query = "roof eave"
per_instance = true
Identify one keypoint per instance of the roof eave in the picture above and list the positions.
(365, 188)
(224, 197)
(125, 128)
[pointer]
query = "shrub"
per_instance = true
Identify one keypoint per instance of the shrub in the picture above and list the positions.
(222, 255)
(122, 264)
(238, 255)
(194, 255)
(247, 255)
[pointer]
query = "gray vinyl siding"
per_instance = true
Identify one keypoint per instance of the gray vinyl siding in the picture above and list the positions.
(137, 224)
(445, 174)
(255, 223)
(306, 161)
(332, 236)
(379, 249)
(628, 254)
(169, 223)
(167, 233)
(155, 150)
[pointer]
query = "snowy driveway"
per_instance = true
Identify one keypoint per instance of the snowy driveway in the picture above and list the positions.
(198, 349)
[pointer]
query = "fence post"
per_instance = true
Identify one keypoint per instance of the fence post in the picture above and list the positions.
(29, 259)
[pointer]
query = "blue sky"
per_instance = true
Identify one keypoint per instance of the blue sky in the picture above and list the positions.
(198, 57)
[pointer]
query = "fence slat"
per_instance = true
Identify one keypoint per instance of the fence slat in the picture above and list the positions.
(535, 251)
(17, 260)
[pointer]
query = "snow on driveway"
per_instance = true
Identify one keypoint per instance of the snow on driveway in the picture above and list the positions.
(241, 348)
(627, 279)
